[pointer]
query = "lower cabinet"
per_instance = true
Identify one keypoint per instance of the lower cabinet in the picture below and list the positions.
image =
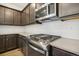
(60, 52)
(23, 45)
(24, 48)
(11, 42)
(2, 43)
(7, 42)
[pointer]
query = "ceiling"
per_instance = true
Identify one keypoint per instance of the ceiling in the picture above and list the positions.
(17, 6)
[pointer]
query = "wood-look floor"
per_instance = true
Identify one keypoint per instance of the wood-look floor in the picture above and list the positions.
(15, 52)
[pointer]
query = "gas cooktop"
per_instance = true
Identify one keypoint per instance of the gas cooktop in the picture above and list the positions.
(44, 38)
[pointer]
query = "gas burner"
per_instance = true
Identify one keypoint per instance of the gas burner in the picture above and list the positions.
(44, 38)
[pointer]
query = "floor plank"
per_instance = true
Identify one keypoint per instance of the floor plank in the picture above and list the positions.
(15, 52)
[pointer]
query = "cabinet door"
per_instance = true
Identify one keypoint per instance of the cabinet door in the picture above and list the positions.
(23, 21)
(32, 13)
(19, 41)
(11, 42)
(66, 9)
(8, 16)
(59, 52)
(16, 17)
(24, 48)
(23, 45)
(27, 15)
(2, 43)
(1, 15)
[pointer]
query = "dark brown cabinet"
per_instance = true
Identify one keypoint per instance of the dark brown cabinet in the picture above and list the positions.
(11, 42)
(66, 9)
(1, 15)
(8, 42)
(8, 16)
(24, 48)
(27, 14)
(32, 13)
(60, 52)
(23, 44)
(23, 20)
(2, 43)
(16, 18)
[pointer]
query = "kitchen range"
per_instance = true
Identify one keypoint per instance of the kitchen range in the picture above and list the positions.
(41, 41)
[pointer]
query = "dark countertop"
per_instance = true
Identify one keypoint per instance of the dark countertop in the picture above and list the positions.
(71, 45)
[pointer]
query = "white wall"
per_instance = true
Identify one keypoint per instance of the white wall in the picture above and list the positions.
(10, 29)
(68, 29)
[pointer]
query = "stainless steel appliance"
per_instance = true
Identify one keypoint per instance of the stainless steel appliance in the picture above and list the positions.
(45, 11)
(39, 43)
(35, 50)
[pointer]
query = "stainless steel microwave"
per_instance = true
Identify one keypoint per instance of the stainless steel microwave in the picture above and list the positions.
(45, 10)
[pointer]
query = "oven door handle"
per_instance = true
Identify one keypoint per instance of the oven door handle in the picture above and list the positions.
(37, 49)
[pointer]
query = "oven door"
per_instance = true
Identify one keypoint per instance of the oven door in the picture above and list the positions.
(34, 51)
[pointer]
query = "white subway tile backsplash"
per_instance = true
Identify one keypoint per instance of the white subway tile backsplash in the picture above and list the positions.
(68, 29)
(4, 29)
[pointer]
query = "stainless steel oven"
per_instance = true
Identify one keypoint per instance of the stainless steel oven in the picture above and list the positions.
(35, 51)
(38, 44)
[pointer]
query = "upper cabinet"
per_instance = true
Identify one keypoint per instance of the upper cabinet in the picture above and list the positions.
(1, 15)
(32, 13)
(25, 16)
(28, 15)
(8, 16)
(23, 20)
(66, 9)
(16, 17)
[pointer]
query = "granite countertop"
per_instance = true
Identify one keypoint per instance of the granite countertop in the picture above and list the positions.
(25, 34)
(71, 45)
(21, 33)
